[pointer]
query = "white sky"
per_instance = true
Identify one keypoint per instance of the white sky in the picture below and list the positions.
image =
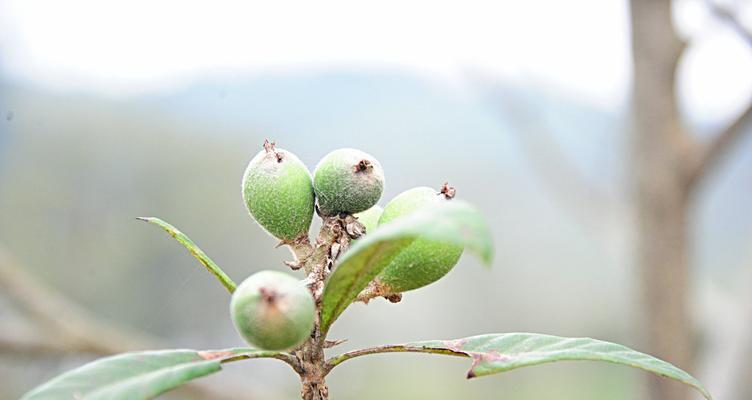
(578, 46)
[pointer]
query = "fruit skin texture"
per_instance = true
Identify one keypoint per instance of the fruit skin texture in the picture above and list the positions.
(278, 192)
(273, 311)
(424, 261)
(370, 217)
(347, 181)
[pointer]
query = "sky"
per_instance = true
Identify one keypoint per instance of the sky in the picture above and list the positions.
(579, 47)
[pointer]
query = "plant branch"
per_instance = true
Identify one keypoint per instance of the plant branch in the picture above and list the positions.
(702, 158)
(318, 260)
(71, 324)
(728, 16)
(301, 249)
(35, 348)
(707, 156)
(75, 330)
(585, 201)
(400, 348)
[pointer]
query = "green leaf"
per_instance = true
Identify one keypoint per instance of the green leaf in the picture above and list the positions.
(456, 222)
(495, 353)
(210, 265)
(138, 375)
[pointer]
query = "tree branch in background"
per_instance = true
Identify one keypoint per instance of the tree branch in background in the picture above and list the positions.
(710, 154)
(72, 325)
(659, 151)
(75, 330)
(573, 191)
(34, 348)
(729, 17)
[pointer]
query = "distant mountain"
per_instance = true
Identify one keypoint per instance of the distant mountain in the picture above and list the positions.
(394, 109)
(416, 122)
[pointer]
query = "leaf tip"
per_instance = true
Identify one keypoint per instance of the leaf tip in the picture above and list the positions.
(471, 374)
(147, 219)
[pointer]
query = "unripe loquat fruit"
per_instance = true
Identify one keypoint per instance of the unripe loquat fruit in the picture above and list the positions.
(278, 192)
(347, 181)
(273, 311)
(424, 261)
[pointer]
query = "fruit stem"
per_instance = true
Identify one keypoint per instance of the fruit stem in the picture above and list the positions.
(301, 248)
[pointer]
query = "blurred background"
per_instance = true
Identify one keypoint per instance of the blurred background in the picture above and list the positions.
(607, 142)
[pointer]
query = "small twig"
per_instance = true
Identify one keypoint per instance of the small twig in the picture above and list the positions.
(70, 323)
(328, 344)
(708, 155)
(705, 157)
(400, 348)
(569, 187)
(301, 249)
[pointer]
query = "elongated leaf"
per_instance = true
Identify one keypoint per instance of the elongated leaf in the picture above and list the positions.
(138, 375)
(456, 222)
(207, 262)
(495, 353)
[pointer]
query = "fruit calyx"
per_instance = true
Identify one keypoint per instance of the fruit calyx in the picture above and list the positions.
(363, 165)
(269, 148)
(448, 191)
(269, 296)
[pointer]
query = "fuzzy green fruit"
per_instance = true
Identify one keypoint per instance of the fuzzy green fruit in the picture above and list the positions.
(370, 217)
(273, 311)
(278, 192)
(347, 181)
(424, 261)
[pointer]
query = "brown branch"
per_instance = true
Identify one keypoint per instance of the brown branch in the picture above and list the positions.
(728, 16)
(705, 157)
(709, 155)
(70, 323)
(318, 261)
(75, 330)
(11, 346)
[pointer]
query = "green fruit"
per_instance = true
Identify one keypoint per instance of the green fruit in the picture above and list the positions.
(278, 192)
(273, 311)
(424, 261)
(347, 181)
(370, 217)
